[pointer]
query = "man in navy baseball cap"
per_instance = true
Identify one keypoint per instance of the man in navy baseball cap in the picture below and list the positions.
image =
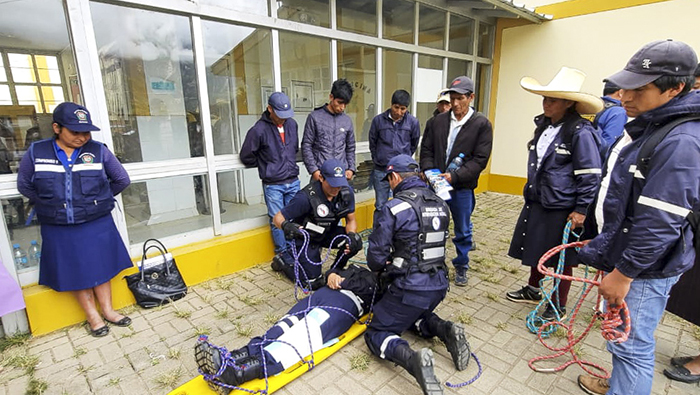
(333, 171)
(73, 117)
(401, 164)
(645, 251)
(281, 105)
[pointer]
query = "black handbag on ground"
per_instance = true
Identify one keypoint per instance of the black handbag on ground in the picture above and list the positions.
(158, 281)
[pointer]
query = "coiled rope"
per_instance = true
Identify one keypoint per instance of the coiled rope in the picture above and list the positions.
(611, 320)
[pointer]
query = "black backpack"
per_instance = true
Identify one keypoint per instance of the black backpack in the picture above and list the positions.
(644, 157)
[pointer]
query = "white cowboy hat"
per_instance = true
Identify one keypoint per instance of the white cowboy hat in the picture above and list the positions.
(566, 85)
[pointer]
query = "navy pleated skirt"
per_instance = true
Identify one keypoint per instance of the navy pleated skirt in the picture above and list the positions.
(75, 257)
(537, 231)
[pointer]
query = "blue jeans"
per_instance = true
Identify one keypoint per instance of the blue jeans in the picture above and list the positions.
(633, 360)
(382, 191)
(276, 197)
(462, 206)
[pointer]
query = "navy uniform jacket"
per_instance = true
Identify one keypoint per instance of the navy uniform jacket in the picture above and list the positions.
(568, 177)
(393, 225)
(263, 147)
(645, 232)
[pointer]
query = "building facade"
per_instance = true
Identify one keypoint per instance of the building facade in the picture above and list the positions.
(176, 84)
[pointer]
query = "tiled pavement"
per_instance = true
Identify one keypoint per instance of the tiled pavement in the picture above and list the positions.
(155, 354)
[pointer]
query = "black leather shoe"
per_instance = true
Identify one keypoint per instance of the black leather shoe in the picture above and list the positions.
(680, 361)
(277, 263)
(126, 321)
(99, 332)
(680, 373)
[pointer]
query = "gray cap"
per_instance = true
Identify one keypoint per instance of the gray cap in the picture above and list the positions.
(462, 85)
(654, 60)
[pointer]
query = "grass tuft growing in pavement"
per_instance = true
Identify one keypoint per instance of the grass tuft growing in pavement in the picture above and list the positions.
(464, 318)
(243, 330)
(37, 387)
(169, 379)
(249, 300)
(271, 318)
(202, 330)
(12, 341)
(359, 361)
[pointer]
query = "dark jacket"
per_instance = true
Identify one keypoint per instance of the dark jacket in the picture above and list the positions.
(568, 177)
(645, 233)
(328, 135)
(388, 139)
(611, 120)
(263, 147)
(474, 140)
(398, 223)
(67, 195)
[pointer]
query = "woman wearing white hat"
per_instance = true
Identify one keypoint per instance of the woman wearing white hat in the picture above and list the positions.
(564, 169)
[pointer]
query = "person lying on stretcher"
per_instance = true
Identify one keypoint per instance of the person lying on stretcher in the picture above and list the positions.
(327, 313)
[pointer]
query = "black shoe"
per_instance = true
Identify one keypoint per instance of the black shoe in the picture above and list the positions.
(239, 354)
(126, 321)
(524, 295)
(209, 362)
(461, 277)
(457, 345)
(550, 314)
(424, 373)
(680, 361)
(99, 332)
(248, 368)
(277, 263)
(680, 373)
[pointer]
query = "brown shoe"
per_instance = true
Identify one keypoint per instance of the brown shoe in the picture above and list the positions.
(593, 385)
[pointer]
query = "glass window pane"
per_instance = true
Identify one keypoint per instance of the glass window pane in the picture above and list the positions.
(258, 7)
(461, 34)
(16, 211)
(312, 12)
(482, 86)
(239, 78)
(398, 20)
(456, 68)
(359, 16)
(358, 64)
(240, 195)
(485, 40)
(48, 69)
(166, 207)
(5, 98)
(3, 75)
(150, 83)
(22, 67)
(397, 74)
(431, 32)
(53, 96)
(429, 62)
(305, 72)
(361, 181)
(29, 95)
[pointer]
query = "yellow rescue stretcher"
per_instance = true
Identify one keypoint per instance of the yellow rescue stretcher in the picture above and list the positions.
(198, 386)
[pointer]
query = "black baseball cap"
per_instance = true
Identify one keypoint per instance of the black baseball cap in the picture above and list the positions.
(281, 105)
(462, 85)
(334, 172)
(73, 117)
(401, 164)
(654, 60)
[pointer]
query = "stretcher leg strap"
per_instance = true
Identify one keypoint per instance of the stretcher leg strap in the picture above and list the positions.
(614, 317)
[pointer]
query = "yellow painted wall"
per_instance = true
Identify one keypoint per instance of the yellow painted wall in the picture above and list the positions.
(600, 44)
(49, 310)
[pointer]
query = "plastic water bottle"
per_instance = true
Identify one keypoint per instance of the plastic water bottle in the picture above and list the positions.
(456, 163)
(34, 253)
(20, 257)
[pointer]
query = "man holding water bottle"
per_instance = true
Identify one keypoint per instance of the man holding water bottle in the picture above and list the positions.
(461, 130)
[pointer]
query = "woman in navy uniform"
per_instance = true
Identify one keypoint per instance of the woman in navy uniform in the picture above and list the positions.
(407, 248)
(72, 180)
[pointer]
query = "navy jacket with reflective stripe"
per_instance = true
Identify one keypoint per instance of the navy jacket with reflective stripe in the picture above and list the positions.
(73, 195)
(568, 177)
(645, 232)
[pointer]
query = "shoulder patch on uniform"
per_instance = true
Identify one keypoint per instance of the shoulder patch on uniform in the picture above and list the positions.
(400, 207)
